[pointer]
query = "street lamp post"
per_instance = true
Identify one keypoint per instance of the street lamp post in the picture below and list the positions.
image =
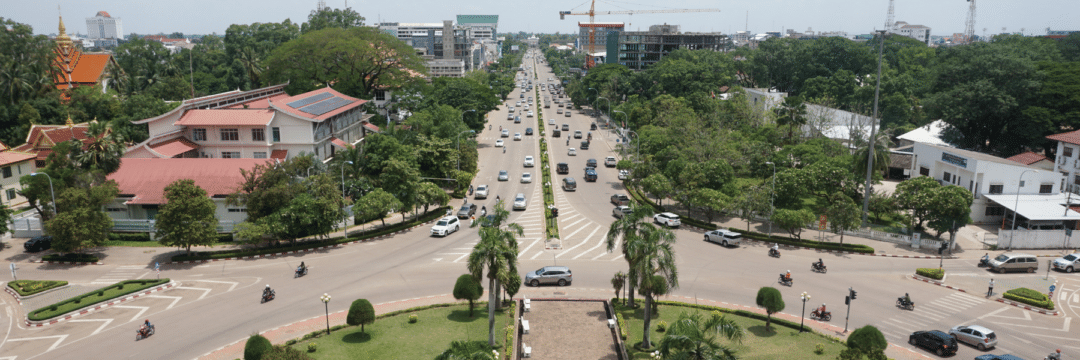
(1016, 204)
(772, 197)
(326, 305)
(804, 298)
(51, 192)
(608, 104)
(459, 144)
(637, 147)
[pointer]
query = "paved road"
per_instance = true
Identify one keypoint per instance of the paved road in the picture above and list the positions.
(217, 303)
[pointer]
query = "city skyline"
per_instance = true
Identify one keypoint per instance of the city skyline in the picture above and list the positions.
(853, 17)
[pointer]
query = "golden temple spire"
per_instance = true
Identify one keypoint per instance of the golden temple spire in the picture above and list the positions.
(62, 39)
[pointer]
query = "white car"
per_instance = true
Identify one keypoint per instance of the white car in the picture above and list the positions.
(530, 114)
(610, 161)
(551, 121)
(1068, 263)
(517, 136)
(481, 192)
(529, 161)
(723, 237)
(571, 152)
(446, 226)
(624, 174)
(519, 202)
(498, 143)
(503, 175)
(526, 178)
(667, 219)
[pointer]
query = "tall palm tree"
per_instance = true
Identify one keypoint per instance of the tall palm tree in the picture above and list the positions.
(792, 113)
(496, 252)
(881, 154)
(694, 337)
(630, 229)
(467, 350)
(104, 149)
(655, 255)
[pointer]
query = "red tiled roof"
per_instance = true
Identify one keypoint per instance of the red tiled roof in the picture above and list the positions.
(263, 103)
(248, 117)
(12, 157)
(80, 68)
(146, 179)
(279, 154)
(2, 146)
(174, 147)
(24, 147)
(1027, 158)
(63, 133)
(339, 143)
(43, 154)
(1072, 137)
(283, 104)
(371, 127)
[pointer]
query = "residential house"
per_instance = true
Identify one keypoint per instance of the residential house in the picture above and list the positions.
(1067, 161)
(13, 166)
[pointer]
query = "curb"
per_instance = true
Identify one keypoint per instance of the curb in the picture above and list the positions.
(852, 252)
(935, 282)
(66, 262)
(99, 306)
(19, 298)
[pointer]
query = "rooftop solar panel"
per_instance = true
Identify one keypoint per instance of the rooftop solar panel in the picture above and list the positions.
(309, 100)
(325, 106)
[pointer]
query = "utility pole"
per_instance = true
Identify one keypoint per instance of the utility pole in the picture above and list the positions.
(873, 134)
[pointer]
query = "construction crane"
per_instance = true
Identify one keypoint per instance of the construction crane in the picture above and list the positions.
(589, 62)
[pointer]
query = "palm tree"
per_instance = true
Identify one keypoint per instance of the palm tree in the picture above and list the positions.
(630, 228)
(695, 338)
(655, 255)
(104, 150)
(467, 350)
(792, 113)
(881, 155)
(497, 253)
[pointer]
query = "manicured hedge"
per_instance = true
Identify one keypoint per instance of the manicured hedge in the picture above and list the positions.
(1030, 297)
(859, 248)
(107, 293)
(932, 273)
(31, 287)
(225, 254)
(71, 258)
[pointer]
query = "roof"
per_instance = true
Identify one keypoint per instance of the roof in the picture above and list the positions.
(12, 157)
(81, 68)
(339, 143)
(263, 103)
(350, 103)
(1072, 137)
(900, 160)
(978, 156)
(279, 154)
(54, 133)
(927, 134)
(600, 24)
(1036, 206)
(478, 19)
(174, 147)
(2, 146)
(240, 117)
(1027, 158)
(146, 179)
(371, 127)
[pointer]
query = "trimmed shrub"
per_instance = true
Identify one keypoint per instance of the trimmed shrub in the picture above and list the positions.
(256, 347)
(31, 287)
(936, 274)
(413, 319)
(661, 326)
(819, 349)
(70, 257)
(868, 340)
(88, 299)
(1030, 297)
(468, 288)
(311, 347)
(129, 236)
(360, 313)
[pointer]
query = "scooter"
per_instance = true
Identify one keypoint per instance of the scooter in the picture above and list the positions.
(300, 272)
(144, 332)
(268, 297)
(904, 304)
(816, 315)
(774, 253)
(984, 262)
(818, 268)
(785, 281)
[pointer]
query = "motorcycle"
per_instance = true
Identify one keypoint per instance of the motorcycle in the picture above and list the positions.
(984, 262)
(267, 297)
(774, 253)
(300, 272)
(816, 315)
(785, 281)
(904, 304)
(818, 267)
(144, 332)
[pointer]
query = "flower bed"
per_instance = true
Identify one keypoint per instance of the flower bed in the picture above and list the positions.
(86, 258)
(31, 287)
(858, 248)
(933, 273)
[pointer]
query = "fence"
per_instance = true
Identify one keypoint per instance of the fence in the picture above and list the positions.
(31, 227)
(1036, 239)
(26, 228)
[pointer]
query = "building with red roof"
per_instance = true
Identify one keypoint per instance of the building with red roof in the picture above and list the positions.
(1067, 159)
(142, 184)
(1033, 159)
(257, 124)
(13, 166)
(76, 68)
(41, 139)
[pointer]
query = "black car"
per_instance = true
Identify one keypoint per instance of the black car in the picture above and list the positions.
(38, 244)
(584, 145)
(592, 126)
(562, 168)
(591, 163)
(590, 174)
(933, 340)
(466, 211)
(528, 131)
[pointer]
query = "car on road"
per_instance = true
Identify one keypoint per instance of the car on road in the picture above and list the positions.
(530, 114)
(584, 145)
(560, 275)
(466, 211)
(620, 211)
(517, 119)
(499, 143)
(624, 174)
(610, 161)
(446, 226)
(526, 178)
(487, 221)
(529, 161)
(620, 199)
(571, 152)
(567, 113)
(592, 126)
(974, 335)
(517, 136)
(551, 121)
(590, 174)
(528, 131)
(1014, 262)
(481, 192)
(577, 134)
(934, 340)
(667, 219)
(562, 168)
(559, 111)
(591, 163)
(723, 237)
(505, 133)
(519, 202)
(1067, 263)
(569, 184)
(518, 103)
(510, 116)
(503, 175)
(38, 243)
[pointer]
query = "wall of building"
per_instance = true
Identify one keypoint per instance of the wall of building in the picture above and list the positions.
(9, 184)
(1068, 164)
(117, 210)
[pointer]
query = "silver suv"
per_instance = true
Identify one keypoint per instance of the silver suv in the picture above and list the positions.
(723, 237)
(560, 275)
(1068, 263)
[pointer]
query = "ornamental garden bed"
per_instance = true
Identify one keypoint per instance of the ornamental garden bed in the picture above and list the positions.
(107, 293)
(1030, 297)
(31, 287)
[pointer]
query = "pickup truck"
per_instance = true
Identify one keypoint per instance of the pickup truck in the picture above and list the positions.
(620, 199)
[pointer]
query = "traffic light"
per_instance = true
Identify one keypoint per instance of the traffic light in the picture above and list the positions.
(941, 249)
(852, 293)
(847, 300)
(554, 212)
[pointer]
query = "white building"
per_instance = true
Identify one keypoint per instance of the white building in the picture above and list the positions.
(104, 26)
(845, 127)
(917, 32)
(446, 67)
(764, 100)
(13, 166)
(484, 27)
(142, 185)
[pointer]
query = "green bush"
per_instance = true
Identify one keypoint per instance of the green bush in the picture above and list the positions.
(31, 287)
(868, 340)
(819, 349)
(1030, 297)
(311, 347)
(661, 326)
(360, 313)
(256, 347)
(858, 248)
(933, 273)
(129, 236)
(70, 258)
(413, 319)
(88, 299)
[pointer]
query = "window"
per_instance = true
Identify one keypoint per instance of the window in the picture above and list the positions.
(995, 211)
(10, 194)
(7, 172)
(380, 95)
(230, 154)
(1046, 188)
(276, 133)
(260, 154)
(997, 189)
(924, 171)
(1066, 151)
(258, 134)
(947, 178)
(230, 135)
(116, 209)
(237, 210)
(198, 134)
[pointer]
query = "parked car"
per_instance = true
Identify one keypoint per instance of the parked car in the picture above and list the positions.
(610, 161)
(467, 210)
(624, 174)
(1014, 262)
(526, 178)
(620, 211)
(667, 219)
(1068, 263)
(528, 131)
(503, 175)
(529, 161)
(519, 202)
(975, 335)
(481, 192)
(591, 163)
(446, 226)
(934, 340)
(560, 275)
(38, 243)
(562, 168)
(723, 237)
(620, 199)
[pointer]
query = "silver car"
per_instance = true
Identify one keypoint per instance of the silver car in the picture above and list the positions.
(620, 211)
(1068, 263)
(503, 175)
(723, 237)
(974, 335)
(482, 192)
(519, 202)
(560, 275)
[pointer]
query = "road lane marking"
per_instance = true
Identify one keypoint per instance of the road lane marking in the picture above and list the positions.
(234, 283)
(59, 339)
(529, 247)
(175, 299)
(102, 327)
(583, 242)
(142, 309)
(204, 290)
(995, 312)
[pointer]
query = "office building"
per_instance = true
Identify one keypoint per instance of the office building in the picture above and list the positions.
(482, 27)
(104, 26)
(638, 50)
(917, 32)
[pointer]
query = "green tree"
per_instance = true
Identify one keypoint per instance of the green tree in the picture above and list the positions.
(511, 281)
(659, 186)
(655, 260)
(467, 350)
(617, 282)
(770, 299)
(246, 46)
(793, 221)
(323, 18)
(917, 195)
(187, 218)
(881, 156)
(468, 288)
(751, 202)
(360, 313)
(429, 194)
(693, 336)
(256, 347)
(868, 340)
(843, 215)
(950, 209)
(791, 113)
(496, 253)
(710, 202)
(376, 204)
(630, 229)
(80, 222)
(5, 218)
(104, 149)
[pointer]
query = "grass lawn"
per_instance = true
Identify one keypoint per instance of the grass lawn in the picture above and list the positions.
(778, 343)
(395, 338)
(100, 295)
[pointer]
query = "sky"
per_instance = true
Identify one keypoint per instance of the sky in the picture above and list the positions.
(944, 17)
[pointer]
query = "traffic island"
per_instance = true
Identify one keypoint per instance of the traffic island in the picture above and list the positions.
(95, 300)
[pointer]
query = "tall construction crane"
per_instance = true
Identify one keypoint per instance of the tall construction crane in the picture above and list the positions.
(589, 62)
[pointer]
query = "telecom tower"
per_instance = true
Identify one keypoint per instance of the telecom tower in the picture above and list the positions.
(321, 5)
(890, 22)
(969, 29)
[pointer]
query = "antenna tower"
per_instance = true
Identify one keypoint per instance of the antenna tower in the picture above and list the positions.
(969, 28)
(890, 21)
(321, 5)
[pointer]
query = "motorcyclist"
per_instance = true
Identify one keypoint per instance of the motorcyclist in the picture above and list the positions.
(907, 299)
(985, 259)
(483, 210)
(146, 326)
(1056, 355)
(821, 310)
(819, 264)
(266, 291)
(787, 276)
(302, 267)
(776, 248)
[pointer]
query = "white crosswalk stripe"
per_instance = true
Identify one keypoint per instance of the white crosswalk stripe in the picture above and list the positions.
(926, 315)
